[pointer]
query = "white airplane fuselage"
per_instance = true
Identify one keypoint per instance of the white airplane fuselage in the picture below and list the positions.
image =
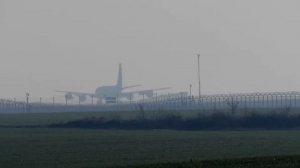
(108, 91)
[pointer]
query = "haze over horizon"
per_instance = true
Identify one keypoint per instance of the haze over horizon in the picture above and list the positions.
(76, 45)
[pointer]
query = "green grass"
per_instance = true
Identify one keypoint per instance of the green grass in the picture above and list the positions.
(258, 162)
(32, 119)
(41, 119)
(64, 148)
(76, 148)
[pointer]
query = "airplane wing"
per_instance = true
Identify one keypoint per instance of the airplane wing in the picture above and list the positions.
(76, 93)
(148, 92)
(128, 87)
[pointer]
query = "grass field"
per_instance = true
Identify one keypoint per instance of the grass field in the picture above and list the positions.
(42, 147)
(42, 119)
(25, 119)
(256, 162)
(33, 119)
(76, 148)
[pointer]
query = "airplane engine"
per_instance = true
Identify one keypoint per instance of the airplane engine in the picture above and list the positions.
(149, 94)
(128, 96)
(68, 96)
(82, 98)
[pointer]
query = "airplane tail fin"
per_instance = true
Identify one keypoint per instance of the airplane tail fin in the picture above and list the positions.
(120, 77)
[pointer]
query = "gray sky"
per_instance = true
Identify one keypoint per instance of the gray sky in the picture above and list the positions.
(246, 46)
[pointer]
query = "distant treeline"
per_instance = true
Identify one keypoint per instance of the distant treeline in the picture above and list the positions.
(213, 121)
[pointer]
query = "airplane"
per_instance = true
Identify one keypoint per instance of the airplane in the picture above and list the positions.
(110, 93)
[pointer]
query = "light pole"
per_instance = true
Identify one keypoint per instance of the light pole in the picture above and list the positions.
(27, 102)
(199, 79)
(27, 98)
(143, 98)
(190, 90)
(130, 98)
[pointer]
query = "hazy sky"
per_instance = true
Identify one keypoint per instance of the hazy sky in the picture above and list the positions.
(246, 46)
